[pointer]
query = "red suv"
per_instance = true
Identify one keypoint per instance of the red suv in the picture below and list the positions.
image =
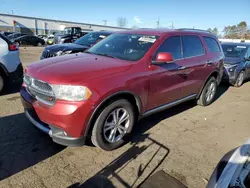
(100, 94)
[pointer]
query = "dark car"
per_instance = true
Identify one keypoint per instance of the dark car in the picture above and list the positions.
(29, 40)
(237, 63)
(101, 93)
(69, 35)
(15, 35)
(79, 45)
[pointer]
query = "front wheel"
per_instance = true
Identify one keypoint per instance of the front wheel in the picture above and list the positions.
(112, 125)
(208, 93)
(240, 79)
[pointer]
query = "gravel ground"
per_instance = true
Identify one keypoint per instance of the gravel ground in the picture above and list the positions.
(186, 141)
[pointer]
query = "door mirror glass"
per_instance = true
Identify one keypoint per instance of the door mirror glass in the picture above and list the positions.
(163, 57)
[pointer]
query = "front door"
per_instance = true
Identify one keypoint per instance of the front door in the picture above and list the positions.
(166, 79)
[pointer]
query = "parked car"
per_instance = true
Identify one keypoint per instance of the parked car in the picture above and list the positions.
(233, 170)
(50, 40)
(79, 45)
(69, 35)
(44, 37)
(100, 94)
(29, 40)
(11, 70)
(15, 35)
(237, 63)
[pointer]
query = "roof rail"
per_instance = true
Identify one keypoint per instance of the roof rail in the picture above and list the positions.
(190, 29)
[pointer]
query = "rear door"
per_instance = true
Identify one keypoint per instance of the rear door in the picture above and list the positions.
(194, 64)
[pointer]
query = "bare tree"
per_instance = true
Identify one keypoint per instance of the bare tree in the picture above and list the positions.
(122, 22)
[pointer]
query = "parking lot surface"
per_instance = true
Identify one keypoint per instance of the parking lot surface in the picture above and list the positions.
(186, 141)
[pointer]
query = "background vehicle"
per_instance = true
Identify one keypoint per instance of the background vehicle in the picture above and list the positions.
(233, 169)
(11, 70)
(29, 40)
(69, 35)
(101, 93)
(237, 63)
(44, 37)
(79, 45)
(50, 40)
(15, 35)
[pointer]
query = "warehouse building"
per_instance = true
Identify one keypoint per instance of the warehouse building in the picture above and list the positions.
(40, 26)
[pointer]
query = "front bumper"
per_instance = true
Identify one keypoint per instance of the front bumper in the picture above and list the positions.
(64, 123)
(229, 77)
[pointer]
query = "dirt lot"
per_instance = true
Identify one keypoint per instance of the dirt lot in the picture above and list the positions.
(186, 141)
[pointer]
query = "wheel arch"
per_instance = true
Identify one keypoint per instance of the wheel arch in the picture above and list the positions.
(130, 96)
(213, 74)
(3, 70)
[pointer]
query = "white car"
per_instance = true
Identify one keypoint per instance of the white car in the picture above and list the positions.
(11, 70)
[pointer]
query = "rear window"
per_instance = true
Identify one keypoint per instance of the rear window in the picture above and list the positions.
(212, 44)
(192, 46)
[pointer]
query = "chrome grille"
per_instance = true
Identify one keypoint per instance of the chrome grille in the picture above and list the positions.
(48, 54)
(40, 90)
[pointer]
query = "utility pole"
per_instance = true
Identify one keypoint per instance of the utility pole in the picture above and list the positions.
(105, 22)
(12, 11)
(172, 25)
(158, 23)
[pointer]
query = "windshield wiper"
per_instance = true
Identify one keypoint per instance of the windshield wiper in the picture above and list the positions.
(106, 55)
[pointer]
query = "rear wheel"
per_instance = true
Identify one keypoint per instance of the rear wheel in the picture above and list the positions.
(240, 79)
(113, 124)
(208, 93)
(39, 44)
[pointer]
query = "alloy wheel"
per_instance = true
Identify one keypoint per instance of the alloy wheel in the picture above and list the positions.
(240, 79)
(116, 125)
(210, 92)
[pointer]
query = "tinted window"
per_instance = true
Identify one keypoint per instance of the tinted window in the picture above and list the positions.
(233, 50)
(91, 38)
(192, 46)
(171, 45)
(212, 44)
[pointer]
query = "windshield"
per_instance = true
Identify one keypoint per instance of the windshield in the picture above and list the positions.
(130, 47)
(90, 38)
(233, 50)
(67, 31)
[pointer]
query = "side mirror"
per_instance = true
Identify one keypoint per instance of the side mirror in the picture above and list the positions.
(163, 57)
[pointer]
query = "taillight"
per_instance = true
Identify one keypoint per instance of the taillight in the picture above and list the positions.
(13, 47)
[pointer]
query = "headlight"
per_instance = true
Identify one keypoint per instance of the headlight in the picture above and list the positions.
(63, 53)
(231, 69)
(71, 93)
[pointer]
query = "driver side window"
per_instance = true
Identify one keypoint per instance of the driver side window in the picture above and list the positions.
(171, 45)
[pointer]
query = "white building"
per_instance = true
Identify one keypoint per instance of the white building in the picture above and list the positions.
(34, 25)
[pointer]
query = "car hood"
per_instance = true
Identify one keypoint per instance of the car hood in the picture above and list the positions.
(232, 60)
(76, 68)
(65, 47)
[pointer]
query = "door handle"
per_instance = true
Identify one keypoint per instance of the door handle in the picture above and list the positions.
(209, 62)
(182, 68)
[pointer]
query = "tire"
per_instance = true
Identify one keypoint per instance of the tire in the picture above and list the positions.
(39, 44)
(208, 93)
(2, 84)
(101, 138)
(240, 79)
